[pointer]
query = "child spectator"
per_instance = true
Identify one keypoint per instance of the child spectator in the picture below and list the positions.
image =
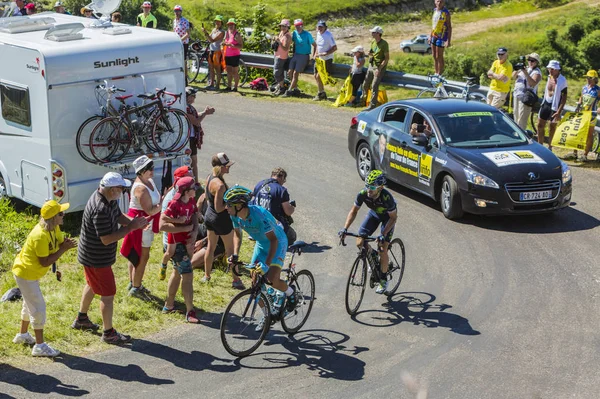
(358, 73)
(195, 118)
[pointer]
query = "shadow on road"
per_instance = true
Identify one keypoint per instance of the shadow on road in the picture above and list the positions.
(129, 373)
(417, 308)
(195, 360)
(315, 248)
(37, 383)
(319, 350)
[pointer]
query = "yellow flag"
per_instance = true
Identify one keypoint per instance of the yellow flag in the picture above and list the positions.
(573, 130)
(325, 78)
(345, 93)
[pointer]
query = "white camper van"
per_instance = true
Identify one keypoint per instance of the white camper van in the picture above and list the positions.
(50, 65)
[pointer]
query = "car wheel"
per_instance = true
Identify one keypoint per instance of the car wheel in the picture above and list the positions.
(3, 189)
(429, 50)
(406, 49)
(364, 160)
(450, 199)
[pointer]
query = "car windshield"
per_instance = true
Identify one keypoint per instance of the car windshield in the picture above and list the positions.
(479, 130)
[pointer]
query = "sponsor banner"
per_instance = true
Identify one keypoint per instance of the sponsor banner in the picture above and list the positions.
(507, 158)
(573, 131)
(466, 114)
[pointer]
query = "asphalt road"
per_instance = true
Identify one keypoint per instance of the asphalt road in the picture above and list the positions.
(488, 308)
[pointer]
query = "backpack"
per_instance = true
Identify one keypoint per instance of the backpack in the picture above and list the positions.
(259, 84)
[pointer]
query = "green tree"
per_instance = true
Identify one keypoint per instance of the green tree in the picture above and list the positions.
(575, 32)
(589, 48)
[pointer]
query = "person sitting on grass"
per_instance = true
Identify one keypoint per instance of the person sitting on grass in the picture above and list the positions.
(45, 244)
(183, 211)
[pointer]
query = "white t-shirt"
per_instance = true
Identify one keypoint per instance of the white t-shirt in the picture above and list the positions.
(521, 82)
(325, 42)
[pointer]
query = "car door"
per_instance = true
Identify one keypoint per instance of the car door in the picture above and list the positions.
(421, 45)
(394, 128)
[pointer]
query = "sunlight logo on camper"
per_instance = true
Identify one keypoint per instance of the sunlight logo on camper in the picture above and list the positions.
(124, 62)
(33, 68)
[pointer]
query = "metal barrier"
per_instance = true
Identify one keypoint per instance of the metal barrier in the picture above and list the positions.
(392, 78)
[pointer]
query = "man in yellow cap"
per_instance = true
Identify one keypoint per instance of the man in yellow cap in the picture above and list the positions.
(45, 244)
(588, 101)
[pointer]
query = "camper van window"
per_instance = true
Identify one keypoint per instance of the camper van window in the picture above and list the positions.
(15, 104)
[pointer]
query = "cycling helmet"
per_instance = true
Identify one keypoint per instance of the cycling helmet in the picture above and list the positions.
(375, 178)
(237, 195)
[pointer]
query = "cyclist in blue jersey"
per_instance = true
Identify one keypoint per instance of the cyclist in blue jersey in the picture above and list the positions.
(382, 211)
(271, 242)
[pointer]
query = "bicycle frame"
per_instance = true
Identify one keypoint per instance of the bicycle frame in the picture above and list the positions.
(363, 252)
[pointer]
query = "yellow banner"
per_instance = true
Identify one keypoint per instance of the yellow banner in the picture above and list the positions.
(325, 78)
(345, 93)
(573, 131)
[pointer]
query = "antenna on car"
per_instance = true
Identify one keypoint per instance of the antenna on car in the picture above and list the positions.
(102, 10)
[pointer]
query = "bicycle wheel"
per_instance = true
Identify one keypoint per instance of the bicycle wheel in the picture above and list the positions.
(203, 69)
(397, 257)
(426, 93)
(110, 140)
(304, 282)
(533, 118)
(167, 130)
(595, 142)
(187, 130)
(239, 324)
(355, 288)
(193, 64)
(243, 72)
(82, 140)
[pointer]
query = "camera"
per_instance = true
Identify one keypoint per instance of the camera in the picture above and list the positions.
(521, 64)
(275, 45)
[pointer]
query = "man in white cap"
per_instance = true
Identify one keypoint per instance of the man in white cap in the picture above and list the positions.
(380, 56)
(324, 50)
(303, 41)
(146, 19)
(555, 98)
(500, 73)
(60, 8)
(526, 79)
(102, 226)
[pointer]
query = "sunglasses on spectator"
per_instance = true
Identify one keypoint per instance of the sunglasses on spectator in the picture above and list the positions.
(531, 60)
(61, 214)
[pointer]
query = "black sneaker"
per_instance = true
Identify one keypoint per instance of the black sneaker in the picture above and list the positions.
(115, 338)
(84, 324)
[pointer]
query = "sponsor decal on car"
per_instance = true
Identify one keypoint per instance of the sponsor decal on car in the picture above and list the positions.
(362, 125)
(425, 162)
(507, 158)
(466, 114)
(411, 163)
(440, 161)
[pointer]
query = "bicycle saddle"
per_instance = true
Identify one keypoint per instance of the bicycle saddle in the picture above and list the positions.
(470, 79)
(296, 246)
(123, 98)
(147, 96)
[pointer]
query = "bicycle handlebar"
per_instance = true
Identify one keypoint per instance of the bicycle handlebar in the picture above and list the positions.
(366, 238)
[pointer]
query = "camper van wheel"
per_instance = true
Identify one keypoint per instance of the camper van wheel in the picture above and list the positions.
(3, 190)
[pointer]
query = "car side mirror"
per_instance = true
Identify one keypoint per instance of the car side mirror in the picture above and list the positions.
(420, 140)
(530, 133)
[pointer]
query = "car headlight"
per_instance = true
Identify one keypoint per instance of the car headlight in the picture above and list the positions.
(479, 179)
(566, 172)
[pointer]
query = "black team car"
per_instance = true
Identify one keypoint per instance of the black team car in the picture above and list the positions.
(465, 154)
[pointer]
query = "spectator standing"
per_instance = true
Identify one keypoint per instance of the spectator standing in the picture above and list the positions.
(30, 9)
(380, 56)
(500, 74)
(146, 19)
(588, 101)
(19, 9)
(45, 244)
(181, 245)
(144, 202)
(60, 8)
(303, 41)
(441, 34)
(324, 50)
(181, 26)
(274, 197)
(116, 17)
(233, 43)
(555, 98)
(281, 46)
(87, 12)
(525, 79)
(358, 73)
(215, 37)
(98, 239)
(195, 118)
(217, 220)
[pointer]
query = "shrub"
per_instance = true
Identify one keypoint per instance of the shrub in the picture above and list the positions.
(548, 3)
(575, 32)
(589, 48)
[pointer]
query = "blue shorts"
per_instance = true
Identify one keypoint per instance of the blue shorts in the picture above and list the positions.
(437, 42)
(369, 225)
(260, 253)
(181, 260)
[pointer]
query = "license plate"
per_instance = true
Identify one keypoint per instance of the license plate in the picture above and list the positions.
(536, 195)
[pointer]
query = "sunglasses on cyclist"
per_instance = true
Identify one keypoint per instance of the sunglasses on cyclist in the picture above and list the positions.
(371, 188)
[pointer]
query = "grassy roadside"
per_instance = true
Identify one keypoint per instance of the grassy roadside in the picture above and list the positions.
(131, 316)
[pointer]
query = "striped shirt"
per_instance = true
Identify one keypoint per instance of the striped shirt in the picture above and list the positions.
(100, 218)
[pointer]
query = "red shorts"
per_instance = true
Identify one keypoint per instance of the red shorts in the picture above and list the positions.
(174, 238)
(101, 280)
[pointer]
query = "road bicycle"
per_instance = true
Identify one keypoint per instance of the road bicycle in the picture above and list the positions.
(367, 261)
(198, 68)
(250, 314)
(439, 85)
(155, 125)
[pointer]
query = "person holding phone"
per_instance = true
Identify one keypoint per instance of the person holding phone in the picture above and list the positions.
(45, 244)
(418, 129)
(215, 37)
